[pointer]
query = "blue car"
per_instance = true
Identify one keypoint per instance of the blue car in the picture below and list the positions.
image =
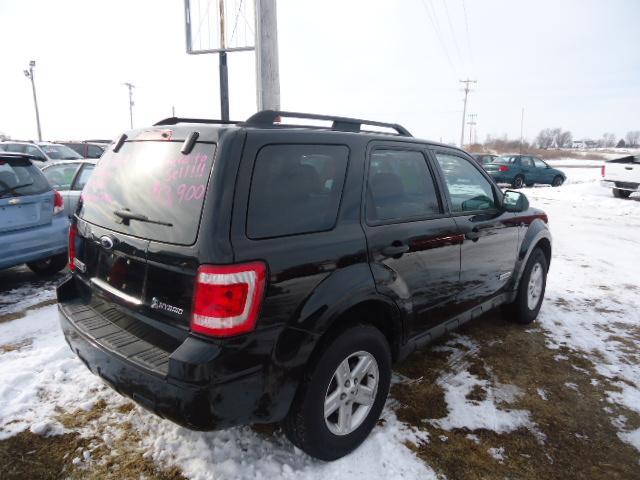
(520, 170)
(33, 227)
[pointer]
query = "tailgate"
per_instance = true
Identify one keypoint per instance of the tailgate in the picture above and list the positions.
(20, 212)
(623, 170)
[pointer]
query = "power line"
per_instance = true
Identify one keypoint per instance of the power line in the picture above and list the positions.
(437, 30)
(453, 34)
(464, 109)
(466, 24)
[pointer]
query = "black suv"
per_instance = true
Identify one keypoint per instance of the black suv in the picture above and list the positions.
(257, 272)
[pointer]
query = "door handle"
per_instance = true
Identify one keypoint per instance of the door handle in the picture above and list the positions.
(396, 249)
(473, 235)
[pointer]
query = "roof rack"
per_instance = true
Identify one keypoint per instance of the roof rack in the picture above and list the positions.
(266, 118)
(176, 120)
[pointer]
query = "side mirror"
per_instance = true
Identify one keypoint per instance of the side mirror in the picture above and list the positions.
(513, 201)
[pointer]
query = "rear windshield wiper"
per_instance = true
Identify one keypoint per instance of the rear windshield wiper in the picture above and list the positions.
(13, 189)
(128, 215)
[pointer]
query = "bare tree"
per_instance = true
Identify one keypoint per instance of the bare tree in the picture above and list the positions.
(608, 140)
(633, 138)
(563, 138)
(545, 138)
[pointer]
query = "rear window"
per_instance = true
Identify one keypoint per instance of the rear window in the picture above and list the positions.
(296, 189)
(19, 177)
(152, 179)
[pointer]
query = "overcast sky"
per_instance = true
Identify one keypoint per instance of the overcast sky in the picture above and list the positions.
(571, 64)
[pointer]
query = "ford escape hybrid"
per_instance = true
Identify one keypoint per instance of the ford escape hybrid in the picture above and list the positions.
(256, 272)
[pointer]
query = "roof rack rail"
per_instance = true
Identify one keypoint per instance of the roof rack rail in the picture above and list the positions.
(269, 117)
(176, 120)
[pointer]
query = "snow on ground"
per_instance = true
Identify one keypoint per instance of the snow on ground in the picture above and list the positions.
(592, 306)
(592, 301)
(42, 377)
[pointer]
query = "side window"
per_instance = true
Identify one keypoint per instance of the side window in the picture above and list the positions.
(83, 178)
(539, 163)
(61, 176)
(526, 161)
(400, 187)
(468, 189)
(14, 147)
(295, 189)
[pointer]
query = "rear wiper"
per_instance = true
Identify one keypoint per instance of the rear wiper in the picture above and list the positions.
(127, 215)
(13, 189)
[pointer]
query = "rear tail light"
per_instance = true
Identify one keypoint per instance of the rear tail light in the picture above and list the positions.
(58, 203)
(503, 168)
(73, 233)
(602, 170)
(227, 298)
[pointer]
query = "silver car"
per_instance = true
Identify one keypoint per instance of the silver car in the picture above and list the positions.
(69, 178)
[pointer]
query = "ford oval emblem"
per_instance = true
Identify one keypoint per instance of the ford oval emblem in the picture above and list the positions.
(106, 242)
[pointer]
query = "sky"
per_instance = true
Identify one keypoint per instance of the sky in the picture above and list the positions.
(572, 64)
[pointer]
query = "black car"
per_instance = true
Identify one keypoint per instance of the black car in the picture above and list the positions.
(257, 272)
(87, 149)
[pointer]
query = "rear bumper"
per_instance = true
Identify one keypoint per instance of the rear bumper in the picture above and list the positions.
(34, 244)
(631, 187)
(178, 387)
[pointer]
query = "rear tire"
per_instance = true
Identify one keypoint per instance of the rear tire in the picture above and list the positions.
(50, 265)
(326, 420)
(620, 193)
(518, 182)
(533, 283)
(557, 181)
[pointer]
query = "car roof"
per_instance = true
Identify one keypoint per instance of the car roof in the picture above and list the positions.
(92, 161)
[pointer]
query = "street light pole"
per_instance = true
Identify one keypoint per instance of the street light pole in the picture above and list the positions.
(29, 75)
(130, 86)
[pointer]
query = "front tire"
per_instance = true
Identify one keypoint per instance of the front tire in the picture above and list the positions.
(557, 181)
(49, 266)
(518, 182)
(342, 395)
(620, 193)
(533, 283)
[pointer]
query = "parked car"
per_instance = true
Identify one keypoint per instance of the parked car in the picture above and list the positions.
(484, 158)
(33, 229)
(227, 274)
(41, 151)
(622, 176)
(520, 170)
(69, 178)
(87, 149)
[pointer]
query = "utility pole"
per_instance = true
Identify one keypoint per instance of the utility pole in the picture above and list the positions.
(472, 123)
(267, 69)
(130, 86)
(224, 71)
(521, 129)
(29, 75)
(464, 109)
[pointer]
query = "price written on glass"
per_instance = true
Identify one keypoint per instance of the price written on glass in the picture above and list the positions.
(183, 180)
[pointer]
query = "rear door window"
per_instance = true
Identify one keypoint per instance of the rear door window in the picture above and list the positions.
(400, 187)
(296, 189)
(18, 177)
(83, 178)
(60, 177)
(152, 179)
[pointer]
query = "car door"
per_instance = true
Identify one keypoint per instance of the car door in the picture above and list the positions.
(543, 172)
(528, 170)
(79, 182)
(414, 246)
(488, 251)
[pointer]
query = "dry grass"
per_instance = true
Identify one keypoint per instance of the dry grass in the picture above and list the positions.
(580, 442)
(7, 317)
(12, 347)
